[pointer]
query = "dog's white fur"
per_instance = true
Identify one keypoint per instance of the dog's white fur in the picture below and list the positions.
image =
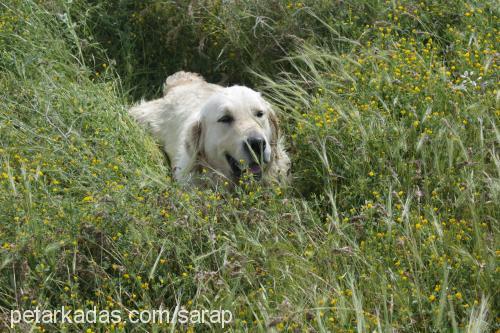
(188, 122)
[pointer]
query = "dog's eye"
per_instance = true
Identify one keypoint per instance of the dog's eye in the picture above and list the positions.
(226, 119)
(259, 114)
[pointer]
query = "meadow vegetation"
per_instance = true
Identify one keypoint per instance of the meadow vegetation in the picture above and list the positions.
(390, 110)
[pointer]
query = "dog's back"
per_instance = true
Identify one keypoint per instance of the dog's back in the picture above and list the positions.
(181, 78)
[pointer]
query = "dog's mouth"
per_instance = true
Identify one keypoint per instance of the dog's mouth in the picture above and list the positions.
(237, 170)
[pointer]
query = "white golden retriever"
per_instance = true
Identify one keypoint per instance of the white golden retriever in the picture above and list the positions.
(226, 130)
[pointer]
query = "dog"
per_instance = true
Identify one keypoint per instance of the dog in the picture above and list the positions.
(228, 131)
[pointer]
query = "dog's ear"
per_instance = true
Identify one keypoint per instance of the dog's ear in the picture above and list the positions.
(275, 129)
(194, 139)
(193, 146)
(279, 169)
(192, 160)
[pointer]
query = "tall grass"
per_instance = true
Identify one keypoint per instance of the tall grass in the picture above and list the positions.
(391, 114)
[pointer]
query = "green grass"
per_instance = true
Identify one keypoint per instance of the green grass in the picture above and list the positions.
(391, 222)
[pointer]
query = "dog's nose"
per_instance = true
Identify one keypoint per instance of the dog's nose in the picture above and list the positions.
(257, 145)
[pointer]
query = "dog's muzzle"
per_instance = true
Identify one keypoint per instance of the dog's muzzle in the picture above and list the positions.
(257, 154)
(238, 168)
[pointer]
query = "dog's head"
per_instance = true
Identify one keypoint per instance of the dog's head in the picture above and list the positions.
(238, 133)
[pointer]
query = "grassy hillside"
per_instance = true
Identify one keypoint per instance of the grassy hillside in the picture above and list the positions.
(390, 109)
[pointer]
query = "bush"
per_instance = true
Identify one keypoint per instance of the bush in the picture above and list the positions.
(221, 40)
